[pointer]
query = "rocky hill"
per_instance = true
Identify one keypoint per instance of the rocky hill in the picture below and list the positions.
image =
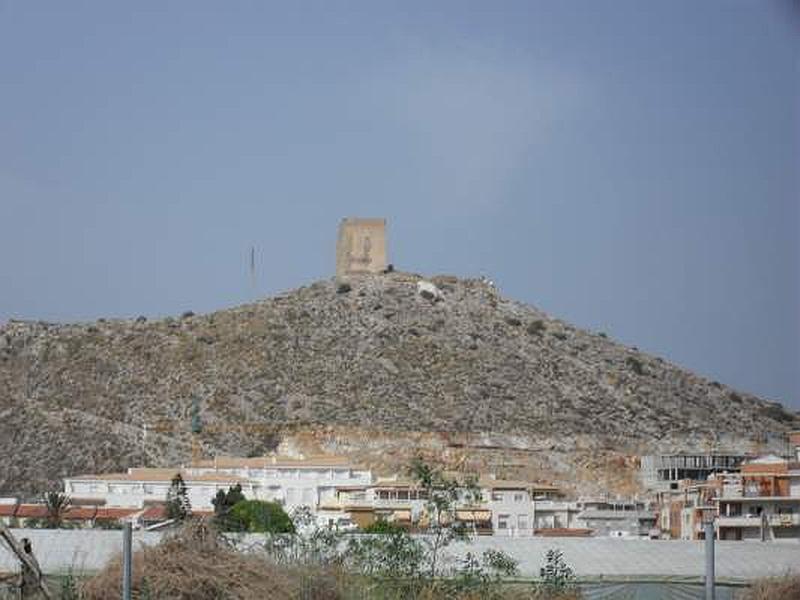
(360, 368)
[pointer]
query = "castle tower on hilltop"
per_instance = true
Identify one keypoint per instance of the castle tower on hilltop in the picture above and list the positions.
(361, 247)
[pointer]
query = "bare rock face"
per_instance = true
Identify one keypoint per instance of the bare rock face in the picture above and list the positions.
(381, 357)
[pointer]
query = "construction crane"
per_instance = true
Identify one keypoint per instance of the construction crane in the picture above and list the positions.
(197, 429)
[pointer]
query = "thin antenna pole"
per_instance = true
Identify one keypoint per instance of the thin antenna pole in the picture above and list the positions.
(253, 270)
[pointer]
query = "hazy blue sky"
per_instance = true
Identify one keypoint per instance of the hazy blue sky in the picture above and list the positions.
(627, 166)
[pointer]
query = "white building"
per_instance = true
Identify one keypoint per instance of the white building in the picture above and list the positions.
(141, 486)
(292, 482)
(511, 506)
(555, 514)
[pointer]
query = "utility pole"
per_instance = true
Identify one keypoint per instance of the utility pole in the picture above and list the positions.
(708, 527)
(127, 560)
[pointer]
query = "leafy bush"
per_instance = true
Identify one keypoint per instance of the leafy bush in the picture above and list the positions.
(382, 526)
(536, 327)
(481, 577)
(69, 587)
(635, 364)
(108, 524)
(257, 516)
(557, 577)
(394, 555)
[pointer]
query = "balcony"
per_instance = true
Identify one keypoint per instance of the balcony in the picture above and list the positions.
(792, 520)
(552, 505)
(742, 521)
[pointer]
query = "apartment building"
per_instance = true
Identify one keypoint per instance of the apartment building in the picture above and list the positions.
(339, 494)
(679, 513)
(501, 506)
(292, 482)
(763, 502)
(138, 487)
(616, 518)
(510, 505)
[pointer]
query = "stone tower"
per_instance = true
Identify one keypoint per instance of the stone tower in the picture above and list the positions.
(361, 247)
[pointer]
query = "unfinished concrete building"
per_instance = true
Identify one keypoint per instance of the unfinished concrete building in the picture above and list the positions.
(663, 472)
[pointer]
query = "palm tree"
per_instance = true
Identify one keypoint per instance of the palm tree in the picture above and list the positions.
(57, 504)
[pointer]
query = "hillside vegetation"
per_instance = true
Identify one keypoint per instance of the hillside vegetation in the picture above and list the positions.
(372, 355)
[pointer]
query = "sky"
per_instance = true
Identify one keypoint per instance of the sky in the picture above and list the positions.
(628, 166)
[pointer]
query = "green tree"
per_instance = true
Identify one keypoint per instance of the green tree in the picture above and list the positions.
(394, 555)
(57, 504)
(178, 506)
(223, 503)
(443, 496)
(258, 516)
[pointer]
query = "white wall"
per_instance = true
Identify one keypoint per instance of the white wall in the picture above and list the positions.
(291, 486)
(516, 506)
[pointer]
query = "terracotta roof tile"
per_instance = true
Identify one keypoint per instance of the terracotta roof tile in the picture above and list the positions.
(31, 511)
(111, 514)
(80, 513)
(156, 512)
(563, 532)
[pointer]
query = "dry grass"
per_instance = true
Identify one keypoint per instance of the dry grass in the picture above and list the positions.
(194, 565)
(786, 587)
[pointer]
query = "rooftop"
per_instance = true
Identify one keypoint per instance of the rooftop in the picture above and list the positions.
(263, 462)
(159, 475)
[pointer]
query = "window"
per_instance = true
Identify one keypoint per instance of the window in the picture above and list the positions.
(502, 521)
(522, 521)
(402, 494)
(519, 497)
(497, 496)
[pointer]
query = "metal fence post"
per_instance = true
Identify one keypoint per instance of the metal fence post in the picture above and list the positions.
(709, 535)
(127, 559)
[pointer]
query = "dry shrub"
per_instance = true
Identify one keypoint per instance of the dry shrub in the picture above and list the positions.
(510, 591)
(195, 564)
(786, 587)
